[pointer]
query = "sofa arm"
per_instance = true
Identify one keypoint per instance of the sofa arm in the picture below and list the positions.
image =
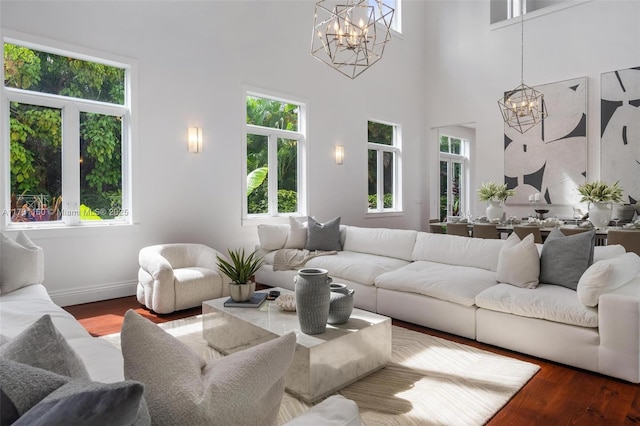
(619, 326)
(333, 411)
(208, 258)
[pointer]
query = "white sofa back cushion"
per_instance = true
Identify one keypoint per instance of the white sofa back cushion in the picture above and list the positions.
(397, 243)
(455, 250)
(605, 276)
(272, 237)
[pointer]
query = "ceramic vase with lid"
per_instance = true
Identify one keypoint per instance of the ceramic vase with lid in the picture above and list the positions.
(341, 304)
(313, 295)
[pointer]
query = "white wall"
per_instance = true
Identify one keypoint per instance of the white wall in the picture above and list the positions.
(475, 63)
(194, 59)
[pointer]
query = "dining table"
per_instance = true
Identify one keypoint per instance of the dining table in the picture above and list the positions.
(506, 228)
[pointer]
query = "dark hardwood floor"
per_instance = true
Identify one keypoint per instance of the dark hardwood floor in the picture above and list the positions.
(556, 395)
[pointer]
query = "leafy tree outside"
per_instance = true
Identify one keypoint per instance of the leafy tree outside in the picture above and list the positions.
(36, 131)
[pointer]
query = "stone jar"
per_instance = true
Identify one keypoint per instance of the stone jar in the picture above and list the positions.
(341, 304)
(313, 294)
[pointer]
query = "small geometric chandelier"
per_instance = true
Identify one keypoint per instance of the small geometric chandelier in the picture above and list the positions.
(523, 107)
(345, 34)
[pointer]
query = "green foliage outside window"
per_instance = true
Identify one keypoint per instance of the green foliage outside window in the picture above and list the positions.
(274, 114)
(36, 132)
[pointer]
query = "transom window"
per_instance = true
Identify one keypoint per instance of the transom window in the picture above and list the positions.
(274, 149)
(68, 138)
(384, 162)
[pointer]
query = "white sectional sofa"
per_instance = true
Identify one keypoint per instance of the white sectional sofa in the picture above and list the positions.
(22, 304)
(449, 283)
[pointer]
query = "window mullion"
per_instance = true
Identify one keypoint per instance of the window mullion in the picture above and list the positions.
(273, 175)
(71, 164)
(380, 180)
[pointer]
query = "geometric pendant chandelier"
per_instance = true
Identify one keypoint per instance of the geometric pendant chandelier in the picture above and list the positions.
(350, 35)
(523, 107)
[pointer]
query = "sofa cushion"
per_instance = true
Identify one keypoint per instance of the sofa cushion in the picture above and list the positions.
(607, 275)
(456, 250)
(23, 307)
(333, 411)
(183, 388)
(42, 397)
(548, 302)
(21, 264)
(323, 236)
(297, 235)
(396, 243)
(272, 237)
(519, 262)
(457, 284)
(41, 345)
(357, 267)
(607, 252)
(565, 258)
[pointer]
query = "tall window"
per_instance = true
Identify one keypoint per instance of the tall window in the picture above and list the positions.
(68, 134)
(384, 167)
(275, 139)
(453, 160)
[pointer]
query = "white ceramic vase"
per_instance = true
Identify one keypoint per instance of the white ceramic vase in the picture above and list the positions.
(494, 210)
(600, 214)
(242, 292)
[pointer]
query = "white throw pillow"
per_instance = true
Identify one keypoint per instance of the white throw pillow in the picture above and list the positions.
(605, 276)
(518, 262)
(22, 263)
(272, 237)
(297, 238)
(244, 388)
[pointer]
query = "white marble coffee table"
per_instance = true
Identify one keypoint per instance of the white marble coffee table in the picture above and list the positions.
(323, 363)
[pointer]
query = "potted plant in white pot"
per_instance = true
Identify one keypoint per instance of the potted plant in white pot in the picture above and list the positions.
(240, 271)
(601, 196)
(494, 194)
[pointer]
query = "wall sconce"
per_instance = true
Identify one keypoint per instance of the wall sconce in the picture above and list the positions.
(195, 139)
(339, 154)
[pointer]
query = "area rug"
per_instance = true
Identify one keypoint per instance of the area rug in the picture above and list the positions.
(430, 381)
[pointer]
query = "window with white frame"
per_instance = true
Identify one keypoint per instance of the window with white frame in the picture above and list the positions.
(67, 138)
(384, 161)
(453, 172)
(396, 5)
(274, 152)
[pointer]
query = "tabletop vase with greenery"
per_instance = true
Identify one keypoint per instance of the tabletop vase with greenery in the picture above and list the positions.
(600, 197)
(494, 194)
(240, 269)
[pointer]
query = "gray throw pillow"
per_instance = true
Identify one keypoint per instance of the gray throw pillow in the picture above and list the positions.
(41, 345)
(244, 388)
(564, 258)
(43, 398)
(323, 236)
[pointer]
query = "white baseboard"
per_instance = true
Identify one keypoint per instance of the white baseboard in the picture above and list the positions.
(94, 293)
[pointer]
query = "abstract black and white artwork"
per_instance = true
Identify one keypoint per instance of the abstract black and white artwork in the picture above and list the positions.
(620, 131)
(550, 158)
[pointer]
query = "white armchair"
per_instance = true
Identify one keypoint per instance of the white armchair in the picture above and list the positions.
(173, 277)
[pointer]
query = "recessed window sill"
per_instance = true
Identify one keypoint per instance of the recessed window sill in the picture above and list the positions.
(395, 213)
(81, 230)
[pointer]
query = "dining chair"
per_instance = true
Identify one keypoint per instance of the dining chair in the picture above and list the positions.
(573, 231)
(629, 239)
(523, 230)
(436, 228)
(485, 230)
(458, 229)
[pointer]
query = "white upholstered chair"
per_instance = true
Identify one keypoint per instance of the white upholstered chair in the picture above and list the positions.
(173, 277)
